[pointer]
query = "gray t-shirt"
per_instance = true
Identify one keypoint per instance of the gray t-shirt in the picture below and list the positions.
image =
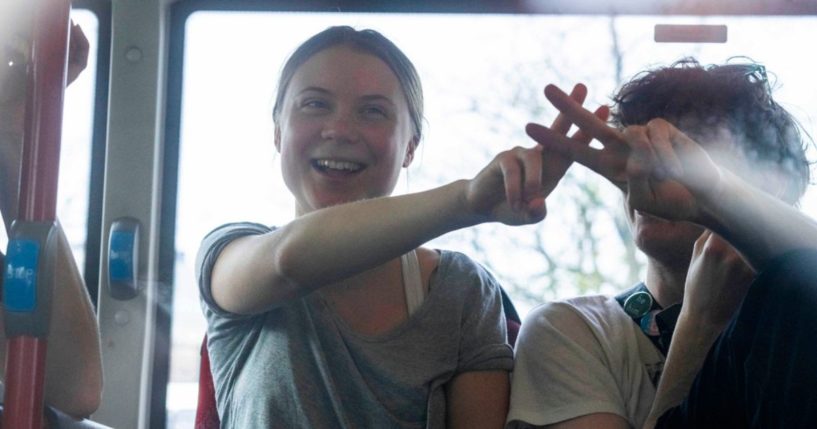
(301, 366)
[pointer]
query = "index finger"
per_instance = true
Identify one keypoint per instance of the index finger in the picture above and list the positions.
(561, 124)
(584, 119)
(561, 144)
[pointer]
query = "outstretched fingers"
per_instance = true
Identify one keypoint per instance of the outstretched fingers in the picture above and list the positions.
(562, 124)
(561, 144)
(601, 112)
(584, 119)
(608, 162)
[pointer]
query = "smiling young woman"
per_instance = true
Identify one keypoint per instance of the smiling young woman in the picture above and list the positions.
(339, 318)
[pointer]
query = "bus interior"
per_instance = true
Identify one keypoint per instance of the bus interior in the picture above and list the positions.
(168, 133)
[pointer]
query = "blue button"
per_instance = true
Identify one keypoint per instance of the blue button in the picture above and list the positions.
(20, 278)
(120, 261)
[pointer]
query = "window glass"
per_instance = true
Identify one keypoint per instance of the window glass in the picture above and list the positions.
(75, 152)
(483, 78)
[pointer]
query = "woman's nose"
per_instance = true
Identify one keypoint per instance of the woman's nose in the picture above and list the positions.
(341, 127)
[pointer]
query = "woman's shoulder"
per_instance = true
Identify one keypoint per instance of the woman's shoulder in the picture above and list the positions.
(457, 272)
(216, 240)
(238, 228)
(228, 232)
(457, 263)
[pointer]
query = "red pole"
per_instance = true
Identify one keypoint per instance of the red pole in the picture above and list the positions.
(41, 149)
(25, 362)
(25, 369)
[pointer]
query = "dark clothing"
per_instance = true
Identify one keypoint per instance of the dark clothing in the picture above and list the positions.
(762, 371)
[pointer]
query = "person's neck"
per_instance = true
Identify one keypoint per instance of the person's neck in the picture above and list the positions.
(666, 282)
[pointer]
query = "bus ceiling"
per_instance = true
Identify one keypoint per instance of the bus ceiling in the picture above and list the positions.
(549, 7)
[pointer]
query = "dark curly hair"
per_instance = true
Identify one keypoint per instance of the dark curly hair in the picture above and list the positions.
(736, 95)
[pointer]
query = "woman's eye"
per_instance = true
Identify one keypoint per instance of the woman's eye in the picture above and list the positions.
(374, 112)
(314, 104)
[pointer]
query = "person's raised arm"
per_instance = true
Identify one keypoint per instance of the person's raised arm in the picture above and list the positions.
(73, 366)
(665, 173)
(255, 273)
(717, 281)
(669, 175)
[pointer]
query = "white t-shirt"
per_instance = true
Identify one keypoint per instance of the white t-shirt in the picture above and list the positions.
(579, 357)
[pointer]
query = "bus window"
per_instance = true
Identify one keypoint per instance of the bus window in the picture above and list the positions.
(483, 77)
(75, 153)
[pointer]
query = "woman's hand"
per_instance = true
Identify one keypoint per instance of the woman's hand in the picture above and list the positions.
(508, 190)
(513, 187)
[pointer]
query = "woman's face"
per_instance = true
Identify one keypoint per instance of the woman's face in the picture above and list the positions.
(344, 130)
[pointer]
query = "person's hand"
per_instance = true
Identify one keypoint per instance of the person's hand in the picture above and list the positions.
(556, 164)
(513, 187)
(509, 189)
(717, 280)
(661, 170)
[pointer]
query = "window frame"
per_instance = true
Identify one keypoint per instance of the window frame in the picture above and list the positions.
(181, 10)
(93, 238)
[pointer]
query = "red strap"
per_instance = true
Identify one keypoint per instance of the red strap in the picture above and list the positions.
(206, 412)
(513, 331)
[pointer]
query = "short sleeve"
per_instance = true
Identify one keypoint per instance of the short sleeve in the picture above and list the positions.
(561, 370)
(484, 336)
(211, 247)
